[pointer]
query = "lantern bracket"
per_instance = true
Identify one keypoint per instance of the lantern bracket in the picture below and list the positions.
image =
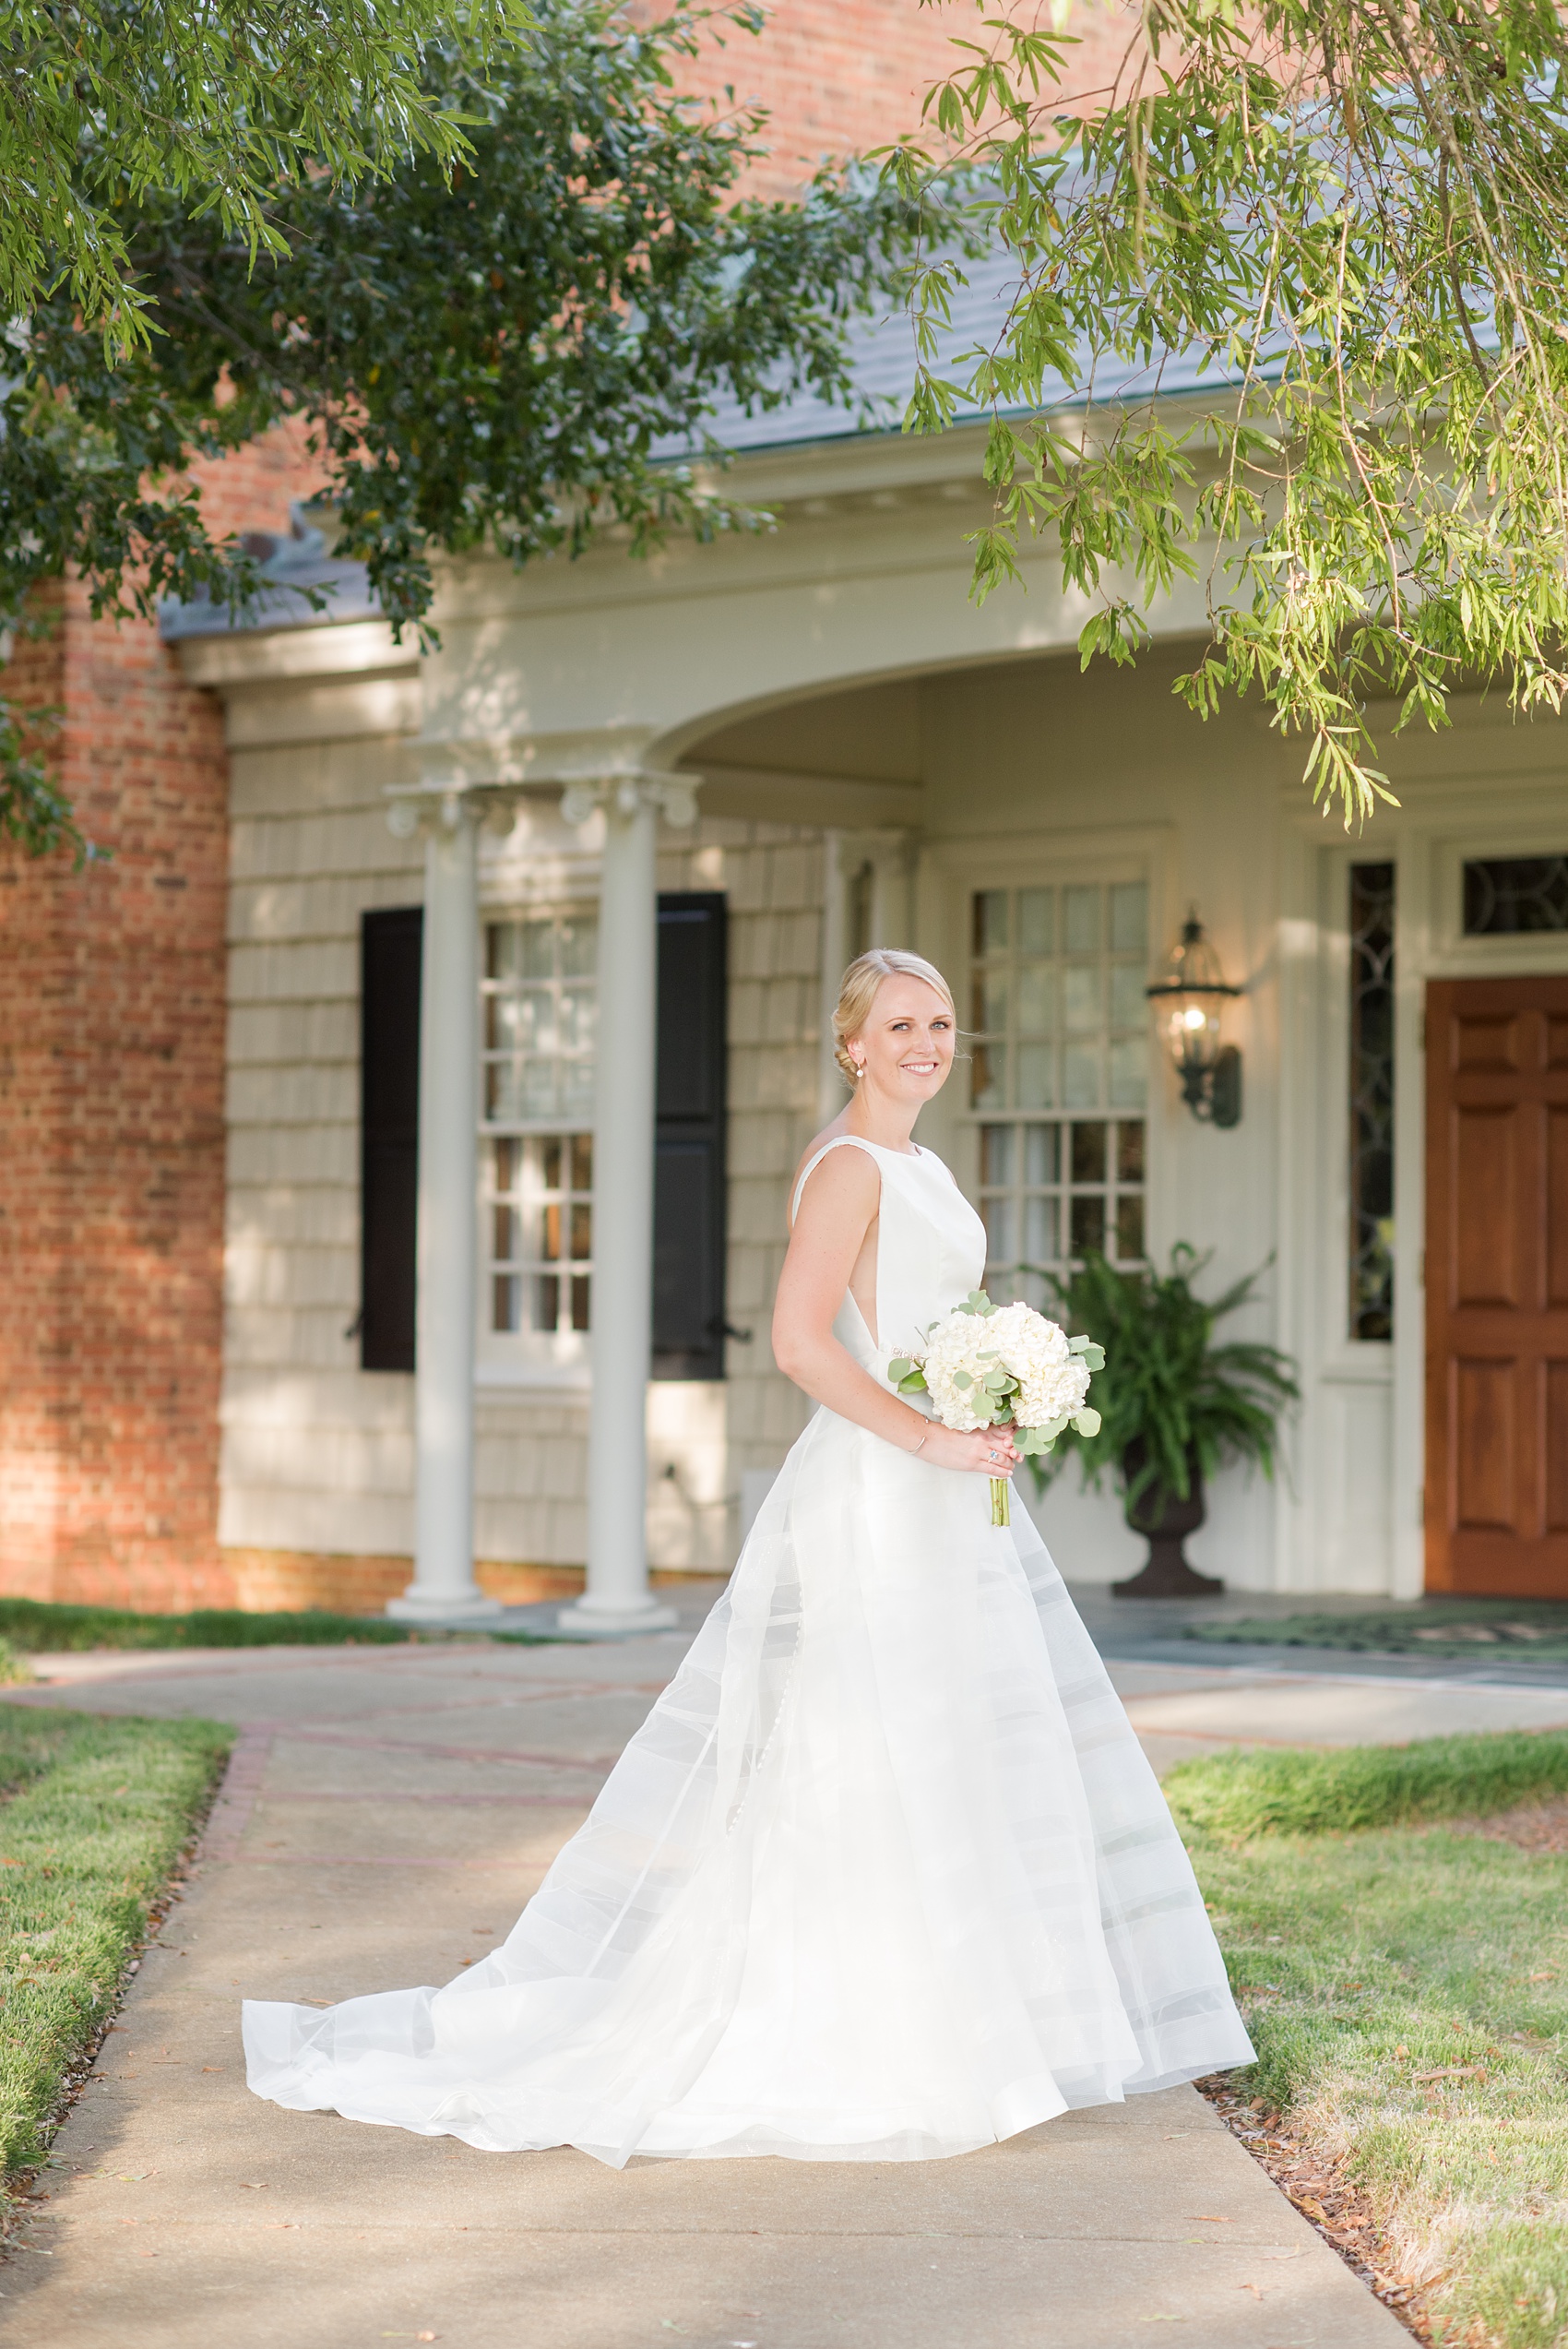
(1193, 989)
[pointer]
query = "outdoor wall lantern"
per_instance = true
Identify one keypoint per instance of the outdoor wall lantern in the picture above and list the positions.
(1187, 1003)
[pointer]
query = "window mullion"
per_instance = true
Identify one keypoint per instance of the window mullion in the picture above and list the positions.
(538, 983)
(1059, 1073)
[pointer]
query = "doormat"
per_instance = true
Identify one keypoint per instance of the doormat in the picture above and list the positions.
(1520, 1628)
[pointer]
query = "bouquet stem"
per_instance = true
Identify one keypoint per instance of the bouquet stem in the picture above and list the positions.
(1001, 1513)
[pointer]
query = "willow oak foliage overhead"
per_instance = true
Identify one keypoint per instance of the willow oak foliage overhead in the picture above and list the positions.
(1352, 215)
(511, 353)
(216, 102)
(500, 357)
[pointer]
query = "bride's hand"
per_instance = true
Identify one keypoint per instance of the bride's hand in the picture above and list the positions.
(990, 1451)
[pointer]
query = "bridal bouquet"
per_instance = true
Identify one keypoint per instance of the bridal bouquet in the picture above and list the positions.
(988, 1365)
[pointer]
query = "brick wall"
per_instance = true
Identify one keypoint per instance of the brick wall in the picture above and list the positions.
(112, 1137)
(838, 79)
(112, 1083)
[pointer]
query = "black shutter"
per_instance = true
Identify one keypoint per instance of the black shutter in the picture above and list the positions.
(389, 1113)
(689, 1177)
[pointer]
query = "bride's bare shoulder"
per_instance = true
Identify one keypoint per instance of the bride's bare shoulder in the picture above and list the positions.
(829, 1133)
(852, 1170)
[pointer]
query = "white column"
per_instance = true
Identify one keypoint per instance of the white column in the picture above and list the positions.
(444, 1590)
(617, 1597)
(890, 923)
(832, 1090)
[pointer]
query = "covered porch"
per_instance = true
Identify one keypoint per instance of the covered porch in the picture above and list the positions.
(814, 735)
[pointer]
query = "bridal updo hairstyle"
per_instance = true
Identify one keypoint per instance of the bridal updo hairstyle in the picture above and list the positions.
(857, 993)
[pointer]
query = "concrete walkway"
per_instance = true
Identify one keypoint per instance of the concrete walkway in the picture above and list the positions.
(386, 1813)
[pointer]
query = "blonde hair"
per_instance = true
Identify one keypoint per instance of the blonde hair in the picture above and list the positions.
(858, 990)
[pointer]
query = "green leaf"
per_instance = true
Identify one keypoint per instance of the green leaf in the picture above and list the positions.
(217, 106)
(1347, 222)
(33, 812)
(1169, 1387)
(489, 261)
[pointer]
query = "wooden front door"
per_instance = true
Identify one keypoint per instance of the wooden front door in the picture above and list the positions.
(1497, 1286)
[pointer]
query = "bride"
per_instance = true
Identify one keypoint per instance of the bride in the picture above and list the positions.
(884, 1874)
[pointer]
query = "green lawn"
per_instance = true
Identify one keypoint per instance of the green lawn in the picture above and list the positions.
(93, 1817)
(1235, 1796)
(37, 1627)
(1532, 1630)
(40, 1627)
(1406, 1988)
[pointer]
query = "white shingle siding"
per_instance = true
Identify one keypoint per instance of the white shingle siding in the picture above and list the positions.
(317, 1455)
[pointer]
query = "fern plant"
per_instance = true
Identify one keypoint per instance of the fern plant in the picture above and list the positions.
(1169, 1394)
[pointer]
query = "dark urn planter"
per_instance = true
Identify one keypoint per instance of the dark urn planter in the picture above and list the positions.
(1167, 1519)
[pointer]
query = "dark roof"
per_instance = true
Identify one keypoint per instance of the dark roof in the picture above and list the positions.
(882, 365)
(291, 563)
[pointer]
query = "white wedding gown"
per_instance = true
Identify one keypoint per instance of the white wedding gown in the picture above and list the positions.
(884, 1874)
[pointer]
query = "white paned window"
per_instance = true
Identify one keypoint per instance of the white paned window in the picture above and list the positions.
(1058, 1077)
(540, 1003)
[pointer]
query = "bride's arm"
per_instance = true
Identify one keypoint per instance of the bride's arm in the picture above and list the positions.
(836, 1207)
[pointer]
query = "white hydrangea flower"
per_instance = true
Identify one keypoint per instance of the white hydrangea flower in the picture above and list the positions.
(1052, 1382)
(959, 1355)
(967, 1348)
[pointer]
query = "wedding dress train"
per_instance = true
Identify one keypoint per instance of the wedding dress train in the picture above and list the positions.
(884, 1874)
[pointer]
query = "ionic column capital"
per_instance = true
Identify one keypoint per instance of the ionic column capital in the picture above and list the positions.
(890, 849)
(673, 796)
(438, 810)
